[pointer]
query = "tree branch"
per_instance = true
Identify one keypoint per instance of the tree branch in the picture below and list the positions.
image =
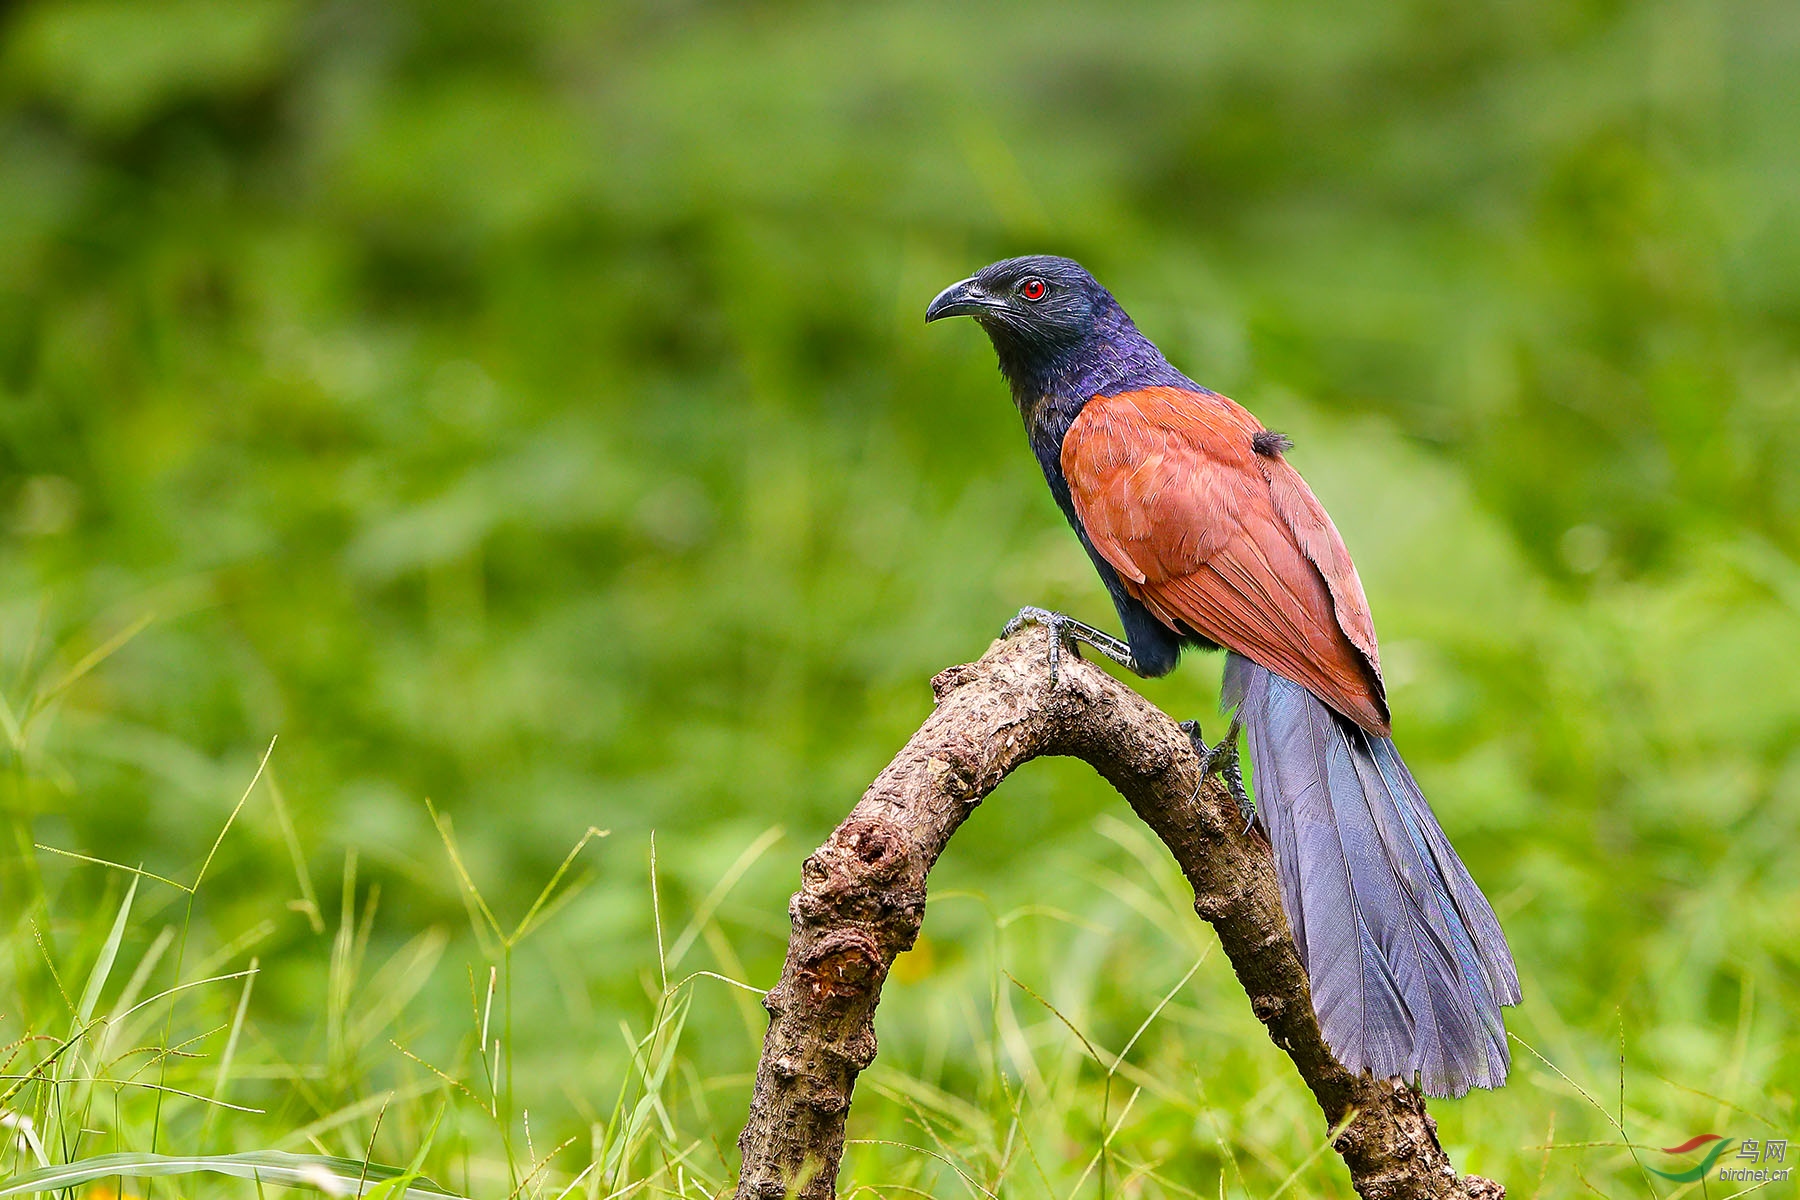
(862, 899)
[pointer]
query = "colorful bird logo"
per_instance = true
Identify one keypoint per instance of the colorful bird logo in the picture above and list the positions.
(1706, 1164)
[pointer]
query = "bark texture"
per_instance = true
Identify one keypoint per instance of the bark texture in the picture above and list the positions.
(862, 899)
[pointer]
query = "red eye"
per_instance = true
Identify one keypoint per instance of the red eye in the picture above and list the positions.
(1033, 289)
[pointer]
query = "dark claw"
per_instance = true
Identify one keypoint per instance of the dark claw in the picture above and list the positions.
(1222, 760)
(1055, 622)
(1067, 631)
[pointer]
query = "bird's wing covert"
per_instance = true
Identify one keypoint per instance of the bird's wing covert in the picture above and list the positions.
(1217, 538)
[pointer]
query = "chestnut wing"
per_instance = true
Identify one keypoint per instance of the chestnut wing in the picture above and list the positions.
(1218, 539)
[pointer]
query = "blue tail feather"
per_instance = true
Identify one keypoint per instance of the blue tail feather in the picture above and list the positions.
(1407, 962)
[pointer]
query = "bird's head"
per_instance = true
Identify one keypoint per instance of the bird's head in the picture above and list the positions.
(1035, 309)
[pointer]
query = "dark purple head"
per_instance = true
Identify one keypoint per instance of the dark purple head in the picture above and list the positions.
(1055, 329)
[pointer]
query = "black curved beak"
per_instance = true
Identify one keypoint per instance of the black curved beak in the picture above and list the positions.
(962, 299)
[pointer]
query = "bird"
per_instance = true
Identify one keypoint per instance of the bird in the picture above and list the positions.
(1206, 537)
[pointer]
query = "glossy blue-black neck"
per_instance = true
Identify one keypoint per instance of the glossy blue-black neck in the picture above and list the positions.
(1112, 357)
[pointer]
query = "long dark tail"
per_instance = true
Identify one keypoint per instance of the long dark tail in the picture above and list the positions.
(1407, 962)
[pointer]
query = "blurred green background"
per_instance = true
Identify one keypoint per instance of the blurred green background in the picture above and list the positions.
(525, 407)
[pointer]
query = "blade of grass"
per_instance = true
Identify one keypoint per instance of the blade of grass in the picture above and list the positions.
(334, 1176)
(87, 662)
(102, 862)
(702, 914)
(200, 875)
(526, 923)
(662, 962)
(472, 896)
(227, 1056)
(1317, 1150)
(90, 995)
(309, 899)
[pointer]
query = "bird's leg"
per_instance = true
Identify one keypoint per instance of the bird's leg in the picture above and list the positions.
(1223, 760)
(1067, 630)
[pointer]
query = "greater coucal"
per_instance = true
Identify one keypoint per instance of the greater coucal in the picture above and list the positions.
(1205, 536)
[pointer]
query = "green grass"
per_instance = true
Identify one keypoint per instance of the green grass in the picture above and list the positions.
(1028, 1050)
(521, 410)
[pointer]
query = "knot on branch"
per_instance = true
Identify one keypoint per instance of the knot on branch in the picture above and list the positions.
(845, 963)
(878, 846)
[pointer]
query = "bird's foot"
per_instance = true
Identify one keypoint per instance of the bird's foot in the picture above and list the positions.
(1067, 631)
(1222, 760)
